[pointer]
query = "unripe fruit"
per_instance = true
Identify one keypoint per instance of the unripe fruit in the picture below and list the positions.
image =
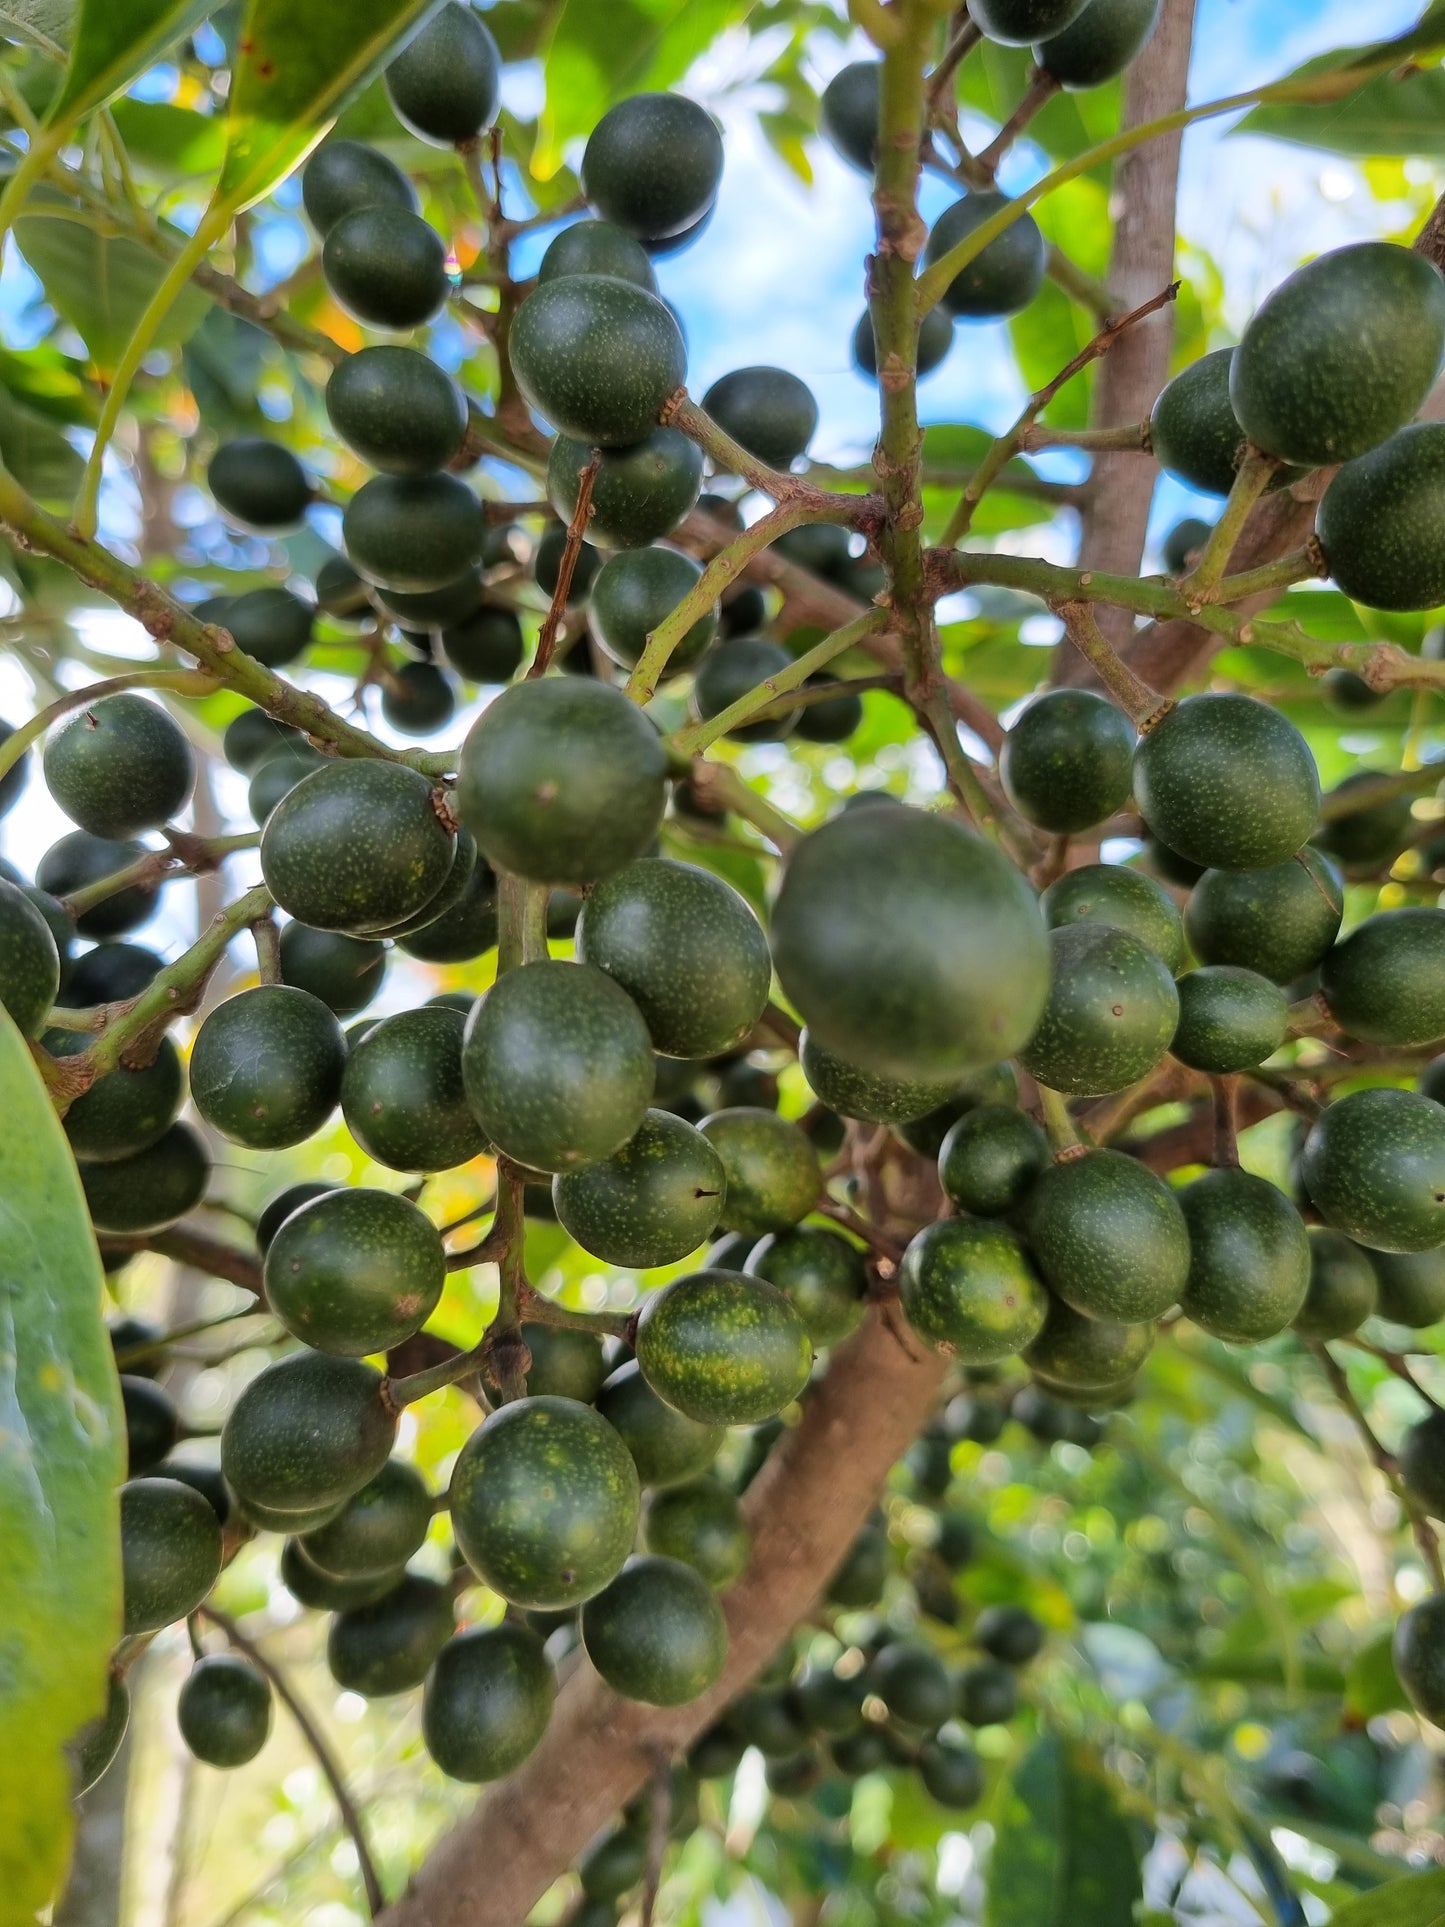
(1074, 1354)
(120, 766)
(701, 1525)
(1112, 1010)
(402, 1094)
(79, 859)
(386, 266)
(639, 494)
(266, 1066)
(1005, 275)
(1109, 1237)
(1067, 761)
(970, 1290)
(1106, 893)
(769, 412)
(652, 165)
(1229, 1019)
(97, 1744)
(485, 647)
(634, 592)
(344, 972)
(170, 1552)
(388, 1645)
(855, 1093)
(129, 1108)
(656, 1634)
(355, 1271)
(252, 736)
(1342, 1289)
(1374, 1167)
(773, 1174)
(305, 1434)
(1385, 984)
(378, 1528)
(414, 532)
(152, 1423)
(151, 1188)
(396, 408)
(322, 1592)
(733, 669)
(1411, 1286)
(1279, 921)
(259, 484)
(224, 1710)
(488, 1698)
(1381, 518)
(848, 112)
(667, 1447)
(598, 357)
(1366, 839)
(991, 1159)
(1099, 44)
(1419, 1655)
(272, 625)
(443, 84)
(1228, 782)
(547, 566)
(723, 1349)
(597, 247)
(913, 1684)
(29, 961)
(356, 846)
(935, 338)
(1017, 22)
(1249, 1263)
(343, 175)
(650, 1203)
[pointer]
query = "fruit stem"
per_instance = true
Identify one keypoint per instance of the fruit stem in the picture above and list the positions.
(1144, 706)
(1380, 789)
(683, 413)
(763, 695)
(964, 39)
(1298, 566)
(183, 682)
(1063, 1133)
(977, 803)
(1040, 91)
(129, 1356)
(268, 949)
(571, 549)
(722, 784)
(1251, 479)
(1395, 1363)
(1226, 1136)
(196, 856)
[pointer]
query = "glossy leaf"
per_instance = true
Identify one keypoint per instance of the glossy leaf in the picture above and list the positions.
(102, 284)
(1416, 1902)
(1384, 116)
(173, 143)
(62, 1454)
(115, 41)
(37, 454)
(38, 23)
(1064, 1853)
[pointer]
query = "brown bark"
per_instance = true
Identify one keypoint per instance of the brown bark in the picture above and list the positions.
(805, 1508)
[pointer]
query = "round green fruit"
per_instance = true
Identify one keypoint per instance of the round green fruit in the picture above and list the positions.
(487, 647)
(120, 766)
(701, 1525)
(152, 1423)
(1381, 519)
(767, 411)
(598, 357)
(861, 1576)
(772, 1171)
(488, 1699)
(1107, 893)
(733, 670)
(276, 775)
(667, 1448)
(833, 719)
(652, 165)
(466, 862)
(266, 1066)
(639, 494)
(149, 1189)
(848, 112)
(1193, 431)
(607, 1870)
(1109, 1237)
(597, 247)
(224, 1710)
(170, 1552)
(272, 625)
(128, 1109)
(1421, 1456)
(656, 1634)
(1228, 782)
(935, 338)
(356, 846)
(857, 1093)
(544, 1502)
(913, 1684)
(987, 1694)
(343, 175)
(547, 566)
(1111, 1013)
(832, 1705)
(259, 484)
(565, 1364)
(1099, 44)
(1229, 1019)
(280, 1207)
(443, 84)
(110, 973)
(396, 409)
(1005, 275)
(723, 1348)
(1385, 984)
(1249, 1262)
(1279, 921)
(650, 1203)
(991, 1160)
(389, 1645)
(378, 1528)
(634, 592)
(340, 591)
(1374, 1167)
(1067, 763)
(321, 1591)
(1073, 1353)
(952, 1774)
(355, 1271)
(1411, 1286)
(1419, 1655)
(971, 1290)
(1343, 1288)
(1009, 1634)
(253, 736)
(402, 1093)
(1017, 22)
(307, 1432)
(345, 973)
(1364, 840)
(413, 532)
(823, 1277)
(78, 859)
(386, 266)
(431, 609)
(29, 962)
(466, 928)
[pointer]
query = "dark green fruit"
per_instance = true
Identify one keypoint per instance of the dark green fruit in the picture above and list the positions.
(15, 778)
(855, 1754)
(633, 593)
(1280, 921)
(547, 566)
(259, 484)
(773, 1174)
(820, 1273)
(386, 266)
(1419, 1655)
(832, 720)
(402, 1094)
(1009, 271)
(1193, 430)
(465, 929)
(413, 532)
(120, 766)
(848, 112)
(1431, 1081)
(1077, 1354)
(152, 1423)
(650, 1203)
(701, 1525)
(252, 736)
(722, 1348)
(1351, 694)
(912, 1684)
(856, 1093)
(1341, 354)
(1111, 1012)
(487, 646)
(1411, 1286)
(127, 1332)
(952, 1774)
(656, 1634)
(1342, 1288)
(388, 1646)
(1109, 1237)
(544, 1502)
(454, 890)
(396, 408)
(1385, 984)
(767, 411)
(378, 1528)
(1228, 782)
(322, 1592)
(1017, 22)
(597, 247)
(151, 1188)
(443, 84)
(343, 175)
(1067, 761)
(668, 1448)
(1099, 44)
(1107, 893)
(734, 669)
(565, 1364)
(356, 846)
(970, 985)
(639, 494)
(109, 974)
(991, 1159)
(224, 1710)
(355, 1271)
(344, 972)
(769, 1718)
(970, 1290)
(830, 1704)
(823, 547)
(608, 1869)
(78, 859)
(30, 962)
(717, 1753)
(987, 1694)
(1183, 544)
(266, 1518)
(1368, 839)
(340, 591)
(686, 947)
(97, 1744)
(266, 1066)
(272, 625)
(1249, 1262)
(860, 1578)
(126, 1110)
(432, 609)
(652, 165)
(278, 1209)
(557, 1065)
(1422, 1463)
(488, 1698)
(208, 1480)
(1374, 1167)
(562, 781)
(306, 1433)
(1381, 518)
(1009, 1633)
(277, 775)
(1229, 1019)
(170, 1552)
(598, 357)
(935, 338)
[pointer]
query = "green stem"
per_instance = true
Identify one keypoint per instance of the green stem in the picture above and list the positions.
(1380, 789)
(1298, 566)
(687, 742)
(37, 157)
(1251, 479)
(724, 786)
(182, 682)
(1062, 1132)
(129, 1356)
(683, 413)
(937, 716)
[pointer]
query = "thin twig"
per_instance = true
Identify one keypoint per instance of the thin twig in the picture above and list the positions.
(572, 548)
(1040, 91)
(1144, 706)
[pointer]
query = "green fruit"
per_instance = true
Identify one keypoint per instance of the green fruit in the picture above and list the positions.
(151, 1188)
(97, 1744)
(767, 411)
(126, 1110)
(443, 84)
(969, 986)
(822, 1276)
(29, 962)
(652, 165)
(547, 566)
(701, 1525)
(935, 338)
(1419, 1656)
(170, 1552)
(544, 1502)
(266, 1066)
(634, 592)
(1385, 984)
(848, 112)
(259, 484)
(79, 859)
(970, 1290)
(152, 1423)
(1228, 782)
(834, 719)
(773, 1175)
(650, 1203)
(1067, 761)
(952, 1774)
(253, 736)
(340, 591)
(120, 766)
(15, 778)
(1249, 1257)
(1374, 1167)
(413, 532)
(279, 1208)
(856, 1093)
(565, 1364)
(1365, 840)
(1109, 1237)
(1111, 1012)
(1279, 921)
(1005, 276)
(722, 1348)
(1411, 1286)
(735, 668)
(1010, 1634)
(396, 409)
(598, 357)
(1184, 543)
(608, 1869)
(111, 973)
(388, 1646)
(1351, 694)
(1381, 518)
(1073, 1353)
(465, 864)
(273, 626)
(306, 1433)
(991, 1159)
(1229, 1019)
(987, 1694)
(1193, 430)
(860, 1579)
(597, 247)
(686, 947)
(856, 1754)
(224, 1710)
(355, 1271)
(656, 1634)
(1431, 1081)
(277, 775)
(432, 609)
(822, 547)
(830, 1704)
(639, 494)
(1017, 22)
(668, 1448)
(1106, 893)
(378, 1528)
(913, 1684)
(266, 1518)
(557, 1066)
(488, 1699)
(205, 1479)
(343, 175)
(344, 973)
(1342, 1290)
(1421, 1456)
(562, 781)
(1099, 44)
(1341, 354)
(356, 846)
(402, 1094)
(323, 1593)
(386, 266)
(126, 1333)
(487, 646)
(996, 1084)
(465, 929)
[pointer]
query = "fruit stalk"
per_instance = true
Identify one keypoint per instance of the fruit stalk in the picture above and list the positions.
(684, 414)
(187, 856)
(1251, 479)
(1040, 91)
(688, 742)
(566, 568)
(1144, 706)
(964, 37)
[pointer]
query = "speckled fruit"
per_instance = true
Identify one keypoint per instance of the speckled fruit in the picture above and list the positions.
(386, 266)
(991, 1159)
(667, 1447)
(1367, 838)
(1077, 1354)
(259, 484)
(634, 592)
(402, 1094)
(1228, 782)
(1279, 921)
(356, 846)
(487, 647)
(1109, 1237)
(443, 84)
(639, 494)
(307, 1432)
(1374, 1167)
(1193, 430)
(152, 1423)
(414, 532)
(1099, 44)
(30, 961)
(466, 928)
(119, 766)
(151, 1188)
(1249, 1263)
(388, 1646)
(969, 986)
(1067, 762)
(276, 775)
(279, 1207)
(598, 247)
(1411, 1286)
(772, 1170)
(852, 1092)
(820, 1273)
(598, 357)
(700, 1524)
(723, 1349)
(344, 972)
(733, 669)
(396, 409)
(321, 1591)
(343, 175)
(544, 1502)
(1229, 1019)
(170, 1552)
(971, 1290)
(224, 1710)
(1342, 1289)
(126, 1110)
(466, 861)
(1005, 275)
(656, 1634)
(488, 1699)
(341, 591)
(1111, 1012)
(78, 859)
(266, 1066)
(650, 1203)
(1107, 893)
(1419, 1655)
(355, 1271)
(272, 625)
(1017, 22)
(378, 1528)
(1385, 984)
(110, 973)
(565, 1364)
(769, 412)
(1381, 522)
(652, 165)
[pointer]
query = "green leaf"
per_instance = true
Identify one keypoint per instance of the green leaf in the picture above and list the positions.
(1372, 1686)
(115, 41)
(37, 454)
(1416, 1902)
(1064, 1853)
(295, 69)
(62, 1454)
(38, 23)
(1385, 116)
(173, 143)
(102, 284)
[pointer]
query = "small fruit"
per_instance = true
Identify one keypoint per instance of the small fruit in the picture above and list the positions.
(208, 1480)
(378, 1528)
(110, 973)
(547, 566)
(650, 1203)
(1380, 522)
(307, 1432)
(1107, 893)
(667, 1448)
(987, 1694)
(464, 929)
(488, 1699)
(1229, 1019)
(1099, 44)
(656, 1634)
(935, 338)
(29, 961)
(1017, 22)
(634, 592)
(487, 646)
(1279, 921)
(1342, 1289)
(830, 1704)
(700, 1524)
(772, 1170)
(1194, 431)
(356, 846)
(723, 1349)
(1112, 1011)
(120, 766)
(322, 1592)
(652, 165)
(598, 357)
(129, 1108)
(152, 1423)
(856, 1093)
(991, 1159)
(820, 1273)
(272, 625)
(597, 247)
(402, 1094)
(860, 1578)
(1419, 1655)
(343, 175)
(1009, 1634)
(1249, 1257)
(848, 111)
(1385, 984)
(386, 266)
(259, 484)
(735, 668)
(971, 1290)
(1422, 1462)
(1067, 761)
(565, 1364)
(639, 494)
(1077, 1354)
(1005, 275)
(431, 609)
(1184, 544)
(266, 1066)
(1109, 1237)
(345, 973)
(913, 1684)
(170, 1552)
(277, 775)
(443, 84)
(79, 859)
(833, 719)
(340, 591)
(355, 1271)
(1373, 1166)
(224, 1710)
(396, 408)
(388, 1646)
(767, 411)
(608, 1869)
(413, 532)
(1228, 782)
(149, 1189)
(1411, 1286)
